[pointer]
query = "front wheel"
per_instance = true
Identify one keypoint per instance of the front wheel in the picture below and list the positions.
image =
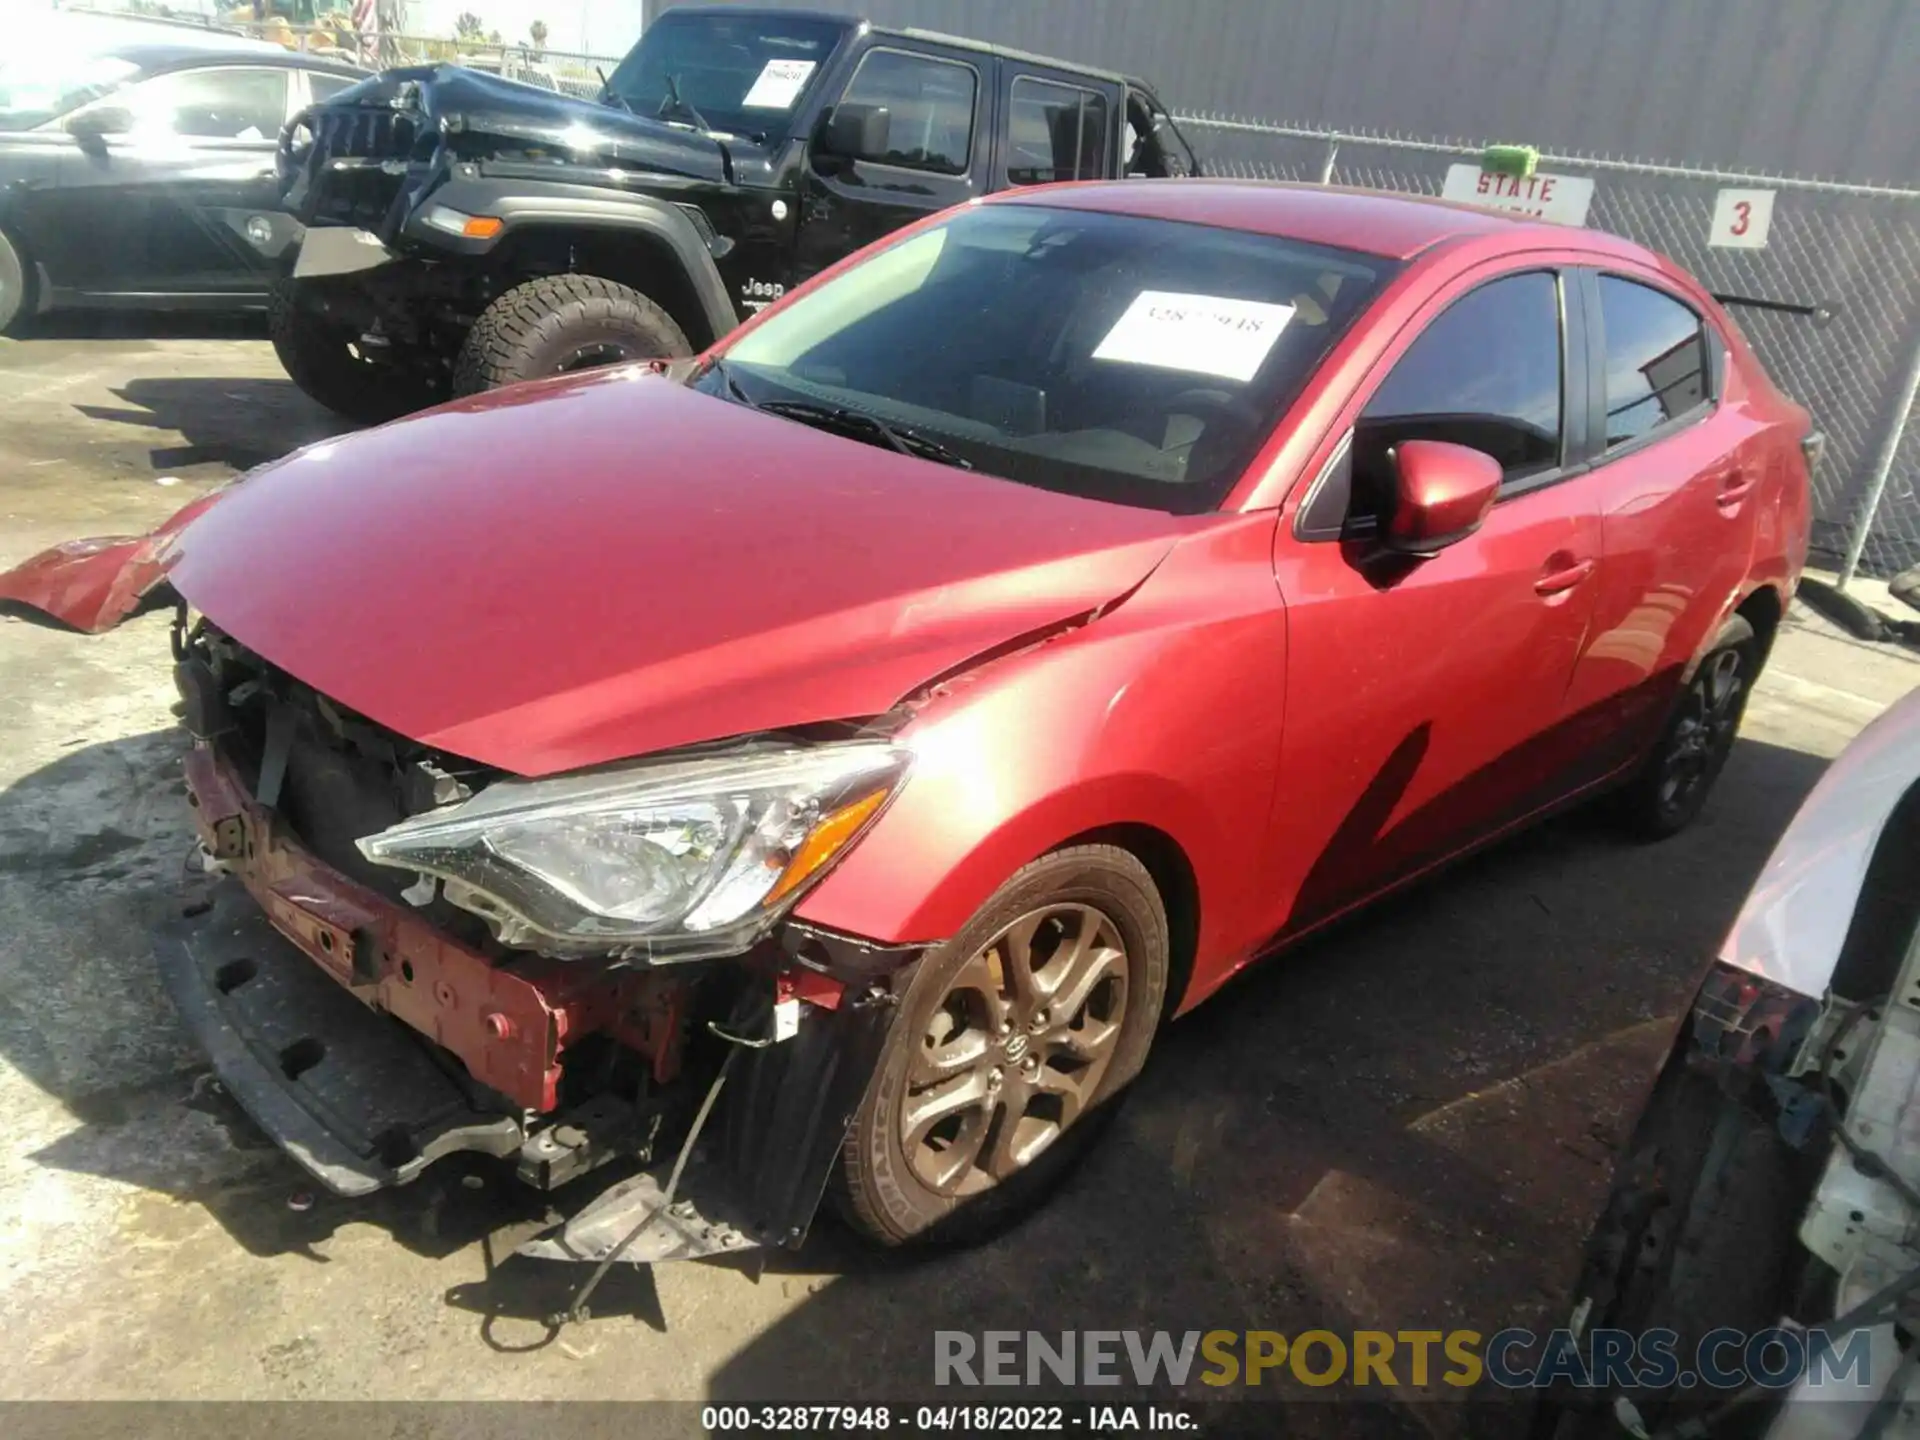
(562, 323)
(1013, 1042)
(1667, 792)
(323, 358)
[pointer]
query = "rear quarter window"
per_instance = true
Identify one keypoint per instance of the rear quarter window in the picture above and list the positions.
(1657, 359)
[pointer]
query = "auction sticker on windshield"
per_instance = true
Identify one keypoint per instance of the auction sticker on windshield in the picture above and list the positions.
(1205, 334)
(778, 86)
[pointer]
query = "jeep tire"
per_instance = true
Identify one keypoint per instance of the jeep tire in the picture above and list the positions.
(319, 356)
(561, 323)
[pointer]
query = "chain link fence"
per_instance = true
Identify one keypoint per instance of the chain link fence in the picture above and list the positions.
(1853, 248)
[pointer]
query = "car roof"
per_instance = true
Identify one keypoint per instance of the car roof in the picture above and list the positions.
(981, 47)
(915, 33)
(172, 57)
(1376, 222)
(155, 44)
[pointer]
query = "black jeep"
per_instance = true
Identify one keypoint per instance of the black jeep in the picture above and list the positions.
(466, 231)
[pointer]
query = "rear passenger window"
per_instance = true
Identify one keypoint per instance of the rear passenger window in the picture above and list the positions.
(1656, 359)
(929, 105)
(1055, 132)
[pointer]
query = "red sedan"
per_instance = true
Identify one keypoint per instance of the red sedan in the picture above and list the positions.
(862, 737)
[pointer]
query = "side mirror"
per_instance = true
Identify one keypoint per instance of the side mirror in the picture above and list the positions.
(1442, 495)
(852, 132)
(100, 121)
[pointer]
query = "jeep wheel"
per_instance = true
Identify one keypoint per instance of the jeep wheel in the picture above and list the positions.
(321, 359)
(1014, 1040)
(561, 323)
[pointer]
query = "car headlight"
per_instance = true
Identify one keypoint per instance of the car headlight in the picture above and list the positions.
(675, 860)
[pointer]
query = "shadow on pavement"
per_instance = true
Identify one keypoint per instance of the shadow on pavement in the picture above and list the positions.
(145, 325)
(1404, 1124)
(234, 421)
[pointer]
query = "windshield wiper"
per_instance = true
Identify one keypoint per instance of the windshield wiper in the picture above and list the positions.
(674, 101)
(725, 372)
(607, 92)
(860, 425)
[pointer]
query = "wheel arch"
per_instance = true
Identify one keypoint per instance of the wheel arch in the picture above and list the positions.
(655, 243)
(1763, 609)
(1173, 876)
(637, 258)
(942, 886)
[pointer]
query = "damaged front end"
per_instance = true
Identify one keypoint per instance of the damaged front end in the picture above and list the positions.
(92, 585)
(375, 1017)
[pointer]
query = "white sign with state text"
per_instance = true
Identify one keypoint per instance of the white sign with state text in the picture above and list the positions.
(1561, 198)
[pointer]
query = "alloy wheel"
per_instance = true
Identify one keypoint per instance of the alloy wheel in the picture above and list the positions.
(1016, 1048)
(1704, 728)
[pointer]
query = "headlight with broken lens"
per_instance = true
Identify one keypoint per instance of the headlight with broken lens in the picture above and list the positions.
(675, 860)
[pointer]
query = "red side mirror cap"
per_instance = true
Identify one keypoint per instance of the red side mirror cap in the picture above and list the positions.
(1442, 495)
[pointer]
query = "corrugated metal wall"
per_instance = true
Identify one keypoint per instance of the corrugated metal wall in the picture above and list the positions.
(1826, 88)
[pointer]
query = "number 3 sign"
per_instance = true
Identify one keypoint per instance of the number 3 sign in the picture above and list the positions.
(1741, 219)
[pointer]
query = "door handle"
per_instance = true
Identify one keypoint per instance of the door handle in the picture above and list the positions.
(1734, 488)
(1557, 582)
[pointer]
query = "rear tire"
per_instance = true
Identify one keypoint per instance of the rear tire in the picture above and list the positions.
(1022, 1074)
(1667, 792)
(319, 358)
(562, 323)
(16, 283)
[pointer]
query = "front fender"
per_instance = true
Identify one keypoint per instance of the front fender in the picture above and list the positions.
(1163, 713)
(527, 205)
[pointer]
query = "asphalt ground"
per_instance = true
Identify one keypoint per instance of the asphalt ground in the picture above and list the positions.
(1406, 1125)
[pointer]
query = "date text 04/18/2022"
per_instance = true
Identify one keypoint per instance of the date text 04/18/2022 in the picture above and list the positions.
(947, 1419)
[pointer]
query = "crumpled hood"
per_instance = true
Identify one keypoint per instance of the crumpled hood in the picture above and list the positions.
(485, 114)
(597, 567)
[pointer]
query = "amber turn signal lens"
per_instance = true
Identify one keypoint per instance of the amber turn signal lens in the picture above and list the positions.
(826, 841)
(482, 227)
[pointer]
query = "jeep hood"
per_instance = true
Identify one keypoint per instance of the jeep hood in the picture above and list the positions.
(484, 117)
(596, 567)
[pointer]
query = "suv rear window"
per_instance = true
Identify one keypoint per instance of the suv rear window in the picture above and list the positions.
(1117, 357)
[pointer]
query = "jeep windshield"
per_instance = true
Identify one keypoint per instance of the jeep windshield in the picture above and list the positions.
(738, 75)
(1115, 357)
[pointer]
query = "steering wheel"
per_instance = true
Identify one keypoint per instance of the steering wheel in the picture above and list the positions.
(1204, 400)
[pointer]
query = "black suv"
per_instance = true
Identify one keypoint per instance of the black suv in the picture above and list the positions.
(466, 231)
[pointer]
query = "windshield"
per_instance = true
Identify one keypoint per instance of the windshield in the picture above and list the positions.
(38, 85)
(743, 75)
(1111, 356)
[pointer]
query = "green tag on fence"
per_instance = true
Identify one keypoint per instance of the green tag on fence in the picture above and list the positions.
(1515, 160)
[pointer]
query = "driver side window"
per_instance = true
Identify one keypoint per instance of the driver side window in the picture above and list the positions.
(223, 103)
(1485, 373)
